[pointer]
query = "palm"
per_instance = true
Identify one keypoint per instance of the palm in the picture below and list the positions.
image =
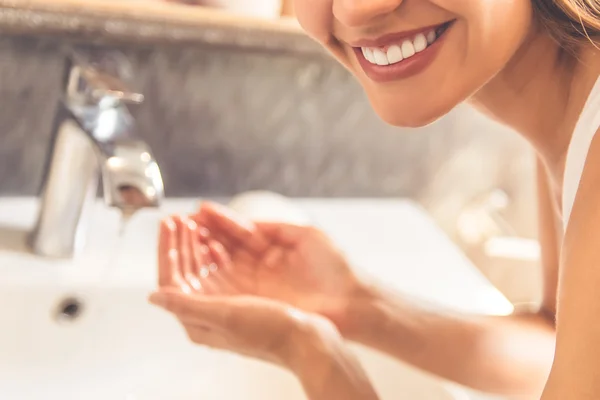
(310, 273)
(295, 264)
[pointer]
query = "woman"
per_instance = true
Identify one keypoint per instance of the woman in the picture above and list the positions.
(529, 64)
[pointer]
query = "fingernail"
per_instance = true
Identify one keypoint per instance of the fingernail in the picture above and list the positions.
(203, 232)
(169, 224)
(191, 224)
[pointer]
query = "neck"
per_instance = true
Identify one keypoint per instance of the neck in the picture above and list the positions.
(533, 96)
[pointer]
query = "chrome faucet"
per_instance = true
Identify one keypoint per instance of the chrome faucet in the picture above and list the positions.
(92, 137)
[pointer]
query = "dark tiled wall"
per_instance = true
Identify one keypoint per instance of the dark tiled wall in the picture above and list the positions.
(221, 121)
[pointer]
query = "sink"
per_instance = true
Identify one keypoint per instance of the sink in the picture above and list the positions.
(82, 329)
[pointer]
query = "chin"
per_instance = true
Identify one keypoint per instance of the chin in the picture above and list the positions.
(413, 118)
(413, 111)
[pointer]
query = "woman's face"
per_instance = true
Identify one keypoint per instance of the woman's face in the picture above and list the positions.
(417, 59)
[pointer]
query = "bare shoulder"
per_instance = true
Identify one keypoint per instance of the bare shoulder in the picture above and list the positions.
(576, 371)
(586, 209)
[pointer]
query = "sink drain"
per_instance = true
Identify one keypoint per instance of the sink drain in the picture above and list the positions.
(68, 310)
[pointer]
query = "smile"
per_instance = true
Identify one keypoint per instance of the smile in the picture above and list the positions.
(400, 55)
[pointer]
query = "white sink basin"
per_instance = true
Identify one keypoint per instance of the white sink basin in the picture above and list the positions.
(121, 348)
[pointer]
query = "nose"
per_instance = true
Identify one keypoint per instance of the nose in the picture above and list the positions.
(356, 13)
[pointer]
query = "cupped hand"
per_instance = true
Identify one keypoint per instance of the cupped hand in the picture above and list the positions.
(295, 264)
(198, 284)
(247, 325)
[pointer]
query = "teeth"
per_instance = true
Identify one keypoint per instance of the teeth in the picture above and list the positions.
(398, 52)
(408, 50)
(368, 53)
(431, 37)
(394, 54)
(420, 42)
(380, 57)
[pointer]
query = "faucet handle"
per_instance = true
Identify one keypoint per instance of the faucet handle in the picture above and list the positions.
(98, 85)
(94, 79)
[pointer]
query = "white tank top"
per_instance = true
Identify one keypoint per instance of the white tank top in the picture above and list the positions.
(585, 129)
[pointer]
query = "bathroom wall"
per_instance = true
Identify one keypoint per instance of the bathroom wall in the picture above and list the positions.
(222, 120)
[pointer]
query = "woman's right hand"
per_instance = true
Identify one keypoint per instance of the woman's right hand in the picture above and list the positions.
(295, 264)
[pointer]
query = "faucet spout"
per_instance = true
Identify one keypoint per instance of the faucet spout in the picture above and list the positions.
(131, 177)
(93, 137)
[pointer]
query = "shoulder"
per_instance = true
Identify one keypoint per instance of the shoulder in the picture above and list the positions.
(577, 359)
(586, 206)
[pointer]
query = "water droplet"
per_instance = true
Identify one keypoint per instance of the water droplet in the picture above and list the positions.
(126, 215)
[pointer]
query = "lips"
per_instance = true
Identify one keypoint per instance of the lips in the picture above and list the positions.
(402, 48)
(400, 55)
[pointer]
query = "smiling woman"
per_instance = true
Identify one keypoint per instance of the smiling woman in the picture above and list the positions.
(480, 49)
(531, 65)
(422, 86)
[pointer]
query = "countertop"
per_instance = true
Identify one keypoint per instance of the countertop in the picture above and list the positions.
(150, 23)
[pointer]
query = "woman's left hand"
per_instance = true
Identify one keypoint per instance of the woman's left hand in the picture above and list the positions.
(248, 325)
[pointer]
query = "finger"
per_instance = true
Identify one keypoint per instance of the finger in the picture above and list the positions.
(199, 216)
(219, 255)
(238, 252)
(202, 232)
(208, 229)
(183, 246)
(200, 221)
(184, 255)
(204, 264)
(283, 233)
(210, 311)
(237, 269)
(223, 274)
(179, 256)
(189, 243)
(244, 232)
(168, 263)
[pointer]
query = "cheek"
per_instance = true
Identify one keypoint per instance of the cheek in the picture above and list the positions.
(315, 17)
(485, 38)
(498, 28)
(491, 30)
